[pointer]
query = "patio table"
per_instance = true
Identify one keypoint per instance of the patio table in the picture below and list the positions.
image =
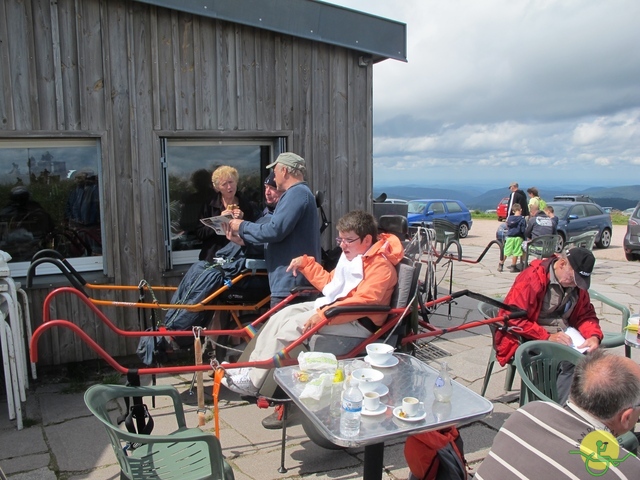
(410, 377)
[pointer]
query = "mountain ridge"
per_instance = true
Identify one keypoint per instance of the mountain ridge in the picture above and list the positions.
(620, 198)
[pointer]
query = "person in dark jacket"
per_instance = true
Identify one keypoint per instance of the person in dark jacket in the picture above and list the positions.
(294, 228)
(516, 225)
(517, 196)
(539, 224)
(227, 201)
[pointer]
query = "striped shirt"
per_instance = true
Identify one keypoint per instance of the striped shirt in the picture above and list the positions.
(536, 443)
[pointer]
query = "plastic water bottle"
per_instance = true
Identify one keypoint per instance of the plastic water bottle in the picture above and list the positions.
(443, 387)
(350, 413)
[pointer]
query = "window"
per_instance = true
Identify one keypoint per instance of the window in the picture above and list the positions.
(578, 210)
(437, 207)
(453, 207)
(188, 165)
(50, 198)
(592, 210)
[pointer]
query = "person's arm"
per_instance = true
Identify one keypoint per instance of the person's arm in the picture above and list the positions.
(312, 271)
(527, 293)
(585, 320)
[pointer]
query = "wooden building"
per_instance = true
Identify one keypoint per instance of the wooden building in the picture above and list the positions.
(118, 94)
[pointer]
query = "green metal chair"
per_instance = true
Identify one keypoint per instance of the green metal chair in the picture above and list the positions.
(490, 311)
(537, 363)
(541, 247)
(185, 454)
(614, 339)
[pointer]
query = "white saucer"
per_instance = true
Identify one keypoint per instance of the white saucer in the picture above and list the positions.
(381, 389)
(370, 413)
(416, 418)
(392, 362)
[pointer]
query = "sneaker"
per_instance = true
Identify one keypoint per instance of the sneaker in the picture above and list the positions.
(274, 421)
(240, 383)
(514, 269)
(500, 267)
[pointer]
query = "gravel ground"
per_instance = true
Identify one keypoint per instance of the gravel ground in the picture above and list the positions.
(483, 231)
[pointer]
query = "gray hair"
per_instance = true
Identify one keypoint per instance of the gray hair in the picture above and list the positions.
(603, 385)
(295, 172)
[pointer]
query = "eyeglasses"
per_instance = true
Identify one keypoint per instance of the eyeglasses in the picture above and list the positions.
(347, 241)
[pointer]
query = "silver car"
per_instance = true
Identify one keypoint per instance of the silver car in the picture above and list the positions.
(631, 241)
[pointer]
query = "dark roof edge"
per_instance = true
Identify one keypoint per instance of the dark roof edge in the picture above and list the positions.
(310, 19)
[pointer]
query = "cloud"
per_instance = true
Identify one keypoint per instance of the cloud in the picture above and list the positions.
(509, 85)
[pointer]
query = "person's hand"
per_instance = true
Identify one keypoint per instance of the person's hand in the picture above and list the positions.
(312, 322)
(561, 338)
(590, 344)
(295, 264)
(234, 225)
(237, 213)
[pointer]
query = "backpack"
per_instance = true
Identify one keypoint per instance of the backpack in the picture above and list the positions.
(541, 204)
(436, 455)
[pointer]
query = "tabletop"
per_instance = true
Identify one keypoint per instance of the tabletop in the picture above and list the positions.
(410, 377)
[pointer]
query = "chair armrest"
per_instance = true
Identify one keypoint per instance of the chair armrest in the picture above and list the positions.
(624, 310)
(364, 309)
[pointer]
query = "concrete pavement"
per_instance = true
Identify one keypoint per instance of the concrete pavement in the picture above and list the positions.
(63, 441)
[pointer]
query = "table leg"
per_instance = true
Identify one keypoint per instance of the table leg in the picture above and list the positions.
(373, 461)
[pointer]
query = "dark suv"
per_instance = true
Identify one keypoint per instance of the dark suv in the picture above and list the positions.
(570, 197)
(631, 243)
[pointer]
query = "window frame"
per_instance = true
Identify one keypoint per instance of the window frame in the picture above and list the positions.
(95, 263)
(276, 140)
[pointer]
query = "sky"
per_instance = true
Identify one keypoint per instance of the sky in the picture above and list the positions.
(541, 92)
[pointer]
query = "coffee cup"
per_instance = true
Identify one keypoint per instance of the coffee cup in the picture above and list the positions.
(410, 406)
(371, 401)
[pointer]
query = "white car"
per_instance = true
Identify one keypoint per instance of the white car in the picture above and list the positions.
(395, 200)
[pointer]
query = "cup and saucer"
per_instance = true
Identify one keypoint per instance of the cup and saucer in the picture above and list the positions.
(390, 362)
(371, 404)
(411, 410)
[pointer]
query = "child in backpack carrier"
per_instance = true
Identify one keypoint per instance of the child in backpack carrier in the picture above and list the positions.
(516, 225)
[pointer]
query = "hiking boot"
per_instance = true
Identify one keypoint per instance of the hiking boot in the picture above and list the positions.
(500, 267)
(514, 269)
(274, 421)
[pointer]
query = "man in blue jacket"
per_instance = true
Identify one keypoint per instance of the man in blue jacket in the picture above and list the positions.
(293, 230)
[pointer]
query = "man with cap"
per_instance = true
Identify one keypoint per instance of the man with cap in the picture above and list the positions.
(517, 196)
(293, 229)
(555, 294)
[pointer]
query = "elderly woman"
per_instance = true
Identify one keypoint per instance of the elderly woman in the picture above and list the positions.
(227, 201)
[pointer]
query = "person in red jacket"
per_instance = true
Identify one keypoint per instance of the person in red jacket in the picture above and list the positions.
(555, 294)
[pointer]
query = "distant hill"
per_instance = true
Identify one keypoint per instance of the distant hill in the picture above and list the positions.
(619, 198)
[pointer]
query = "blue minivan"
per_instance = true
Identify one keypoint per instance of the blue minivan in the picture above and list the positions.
(425, 211)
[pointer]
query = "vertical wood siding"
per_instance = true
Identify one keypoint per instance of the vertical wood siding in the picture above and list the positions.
(131, 72)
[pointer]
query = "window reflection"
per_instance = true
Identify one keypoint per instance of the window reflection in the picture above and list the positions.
(49, 197)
